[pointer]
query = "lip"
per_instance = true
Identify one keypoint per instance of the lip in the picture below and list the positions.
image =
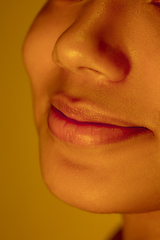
(87, 128)
(82, 112)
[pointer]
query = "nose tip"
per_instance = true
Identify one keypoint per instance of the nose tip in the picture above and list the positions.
(89, 45)
(111, 63)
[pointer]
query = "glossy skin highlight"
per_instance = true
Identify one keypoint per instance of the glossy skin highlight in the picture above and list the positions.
(105, 54)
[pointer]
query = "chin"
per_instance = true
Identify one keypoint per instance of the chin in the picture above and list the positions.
(79, 189)
(93, 201)
(92, 186)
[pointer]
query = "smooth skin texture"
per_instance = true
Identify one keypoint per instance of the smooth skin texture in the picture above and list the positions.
(103, 53)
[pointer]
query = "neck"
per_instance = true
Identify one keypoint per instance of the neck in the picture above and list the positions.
(141, 226)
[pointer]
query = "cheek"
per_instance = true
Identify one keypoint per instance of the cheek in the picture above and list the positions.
(37, 54)
(49, 25)
(37, 57)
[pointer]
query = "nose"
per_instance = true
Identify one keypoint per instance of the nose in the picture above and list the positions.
(92, 44)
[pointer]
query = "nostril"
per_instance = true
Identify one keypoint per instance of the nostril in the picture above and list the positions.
(90, 69)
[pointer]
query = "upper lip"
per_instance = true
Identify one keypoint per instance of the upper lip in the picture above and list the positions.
(87, 112)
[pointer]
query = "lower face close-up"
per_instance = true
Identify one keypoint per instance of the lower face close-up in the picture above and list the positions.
(95, 78)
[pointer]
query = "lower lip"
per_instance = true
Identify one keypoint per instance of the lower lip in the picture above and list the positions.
(88, 134)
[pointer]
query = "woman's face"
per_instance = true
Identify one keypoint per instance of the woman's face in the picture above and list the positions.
(98, 63)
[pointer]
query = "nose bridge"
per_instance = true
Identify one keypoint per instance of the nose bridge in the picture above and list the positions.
(98, 20)
(90, 24)
(91, 43)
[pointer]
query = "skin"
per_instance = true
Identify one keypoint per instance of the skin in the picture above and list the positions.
(118, 43)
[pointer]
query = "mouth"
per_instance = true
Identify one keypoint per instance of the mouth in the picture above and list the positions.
(87, 128)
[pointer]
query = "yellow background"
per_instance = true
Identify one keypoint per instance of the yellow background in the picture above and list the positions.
(27, 210)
